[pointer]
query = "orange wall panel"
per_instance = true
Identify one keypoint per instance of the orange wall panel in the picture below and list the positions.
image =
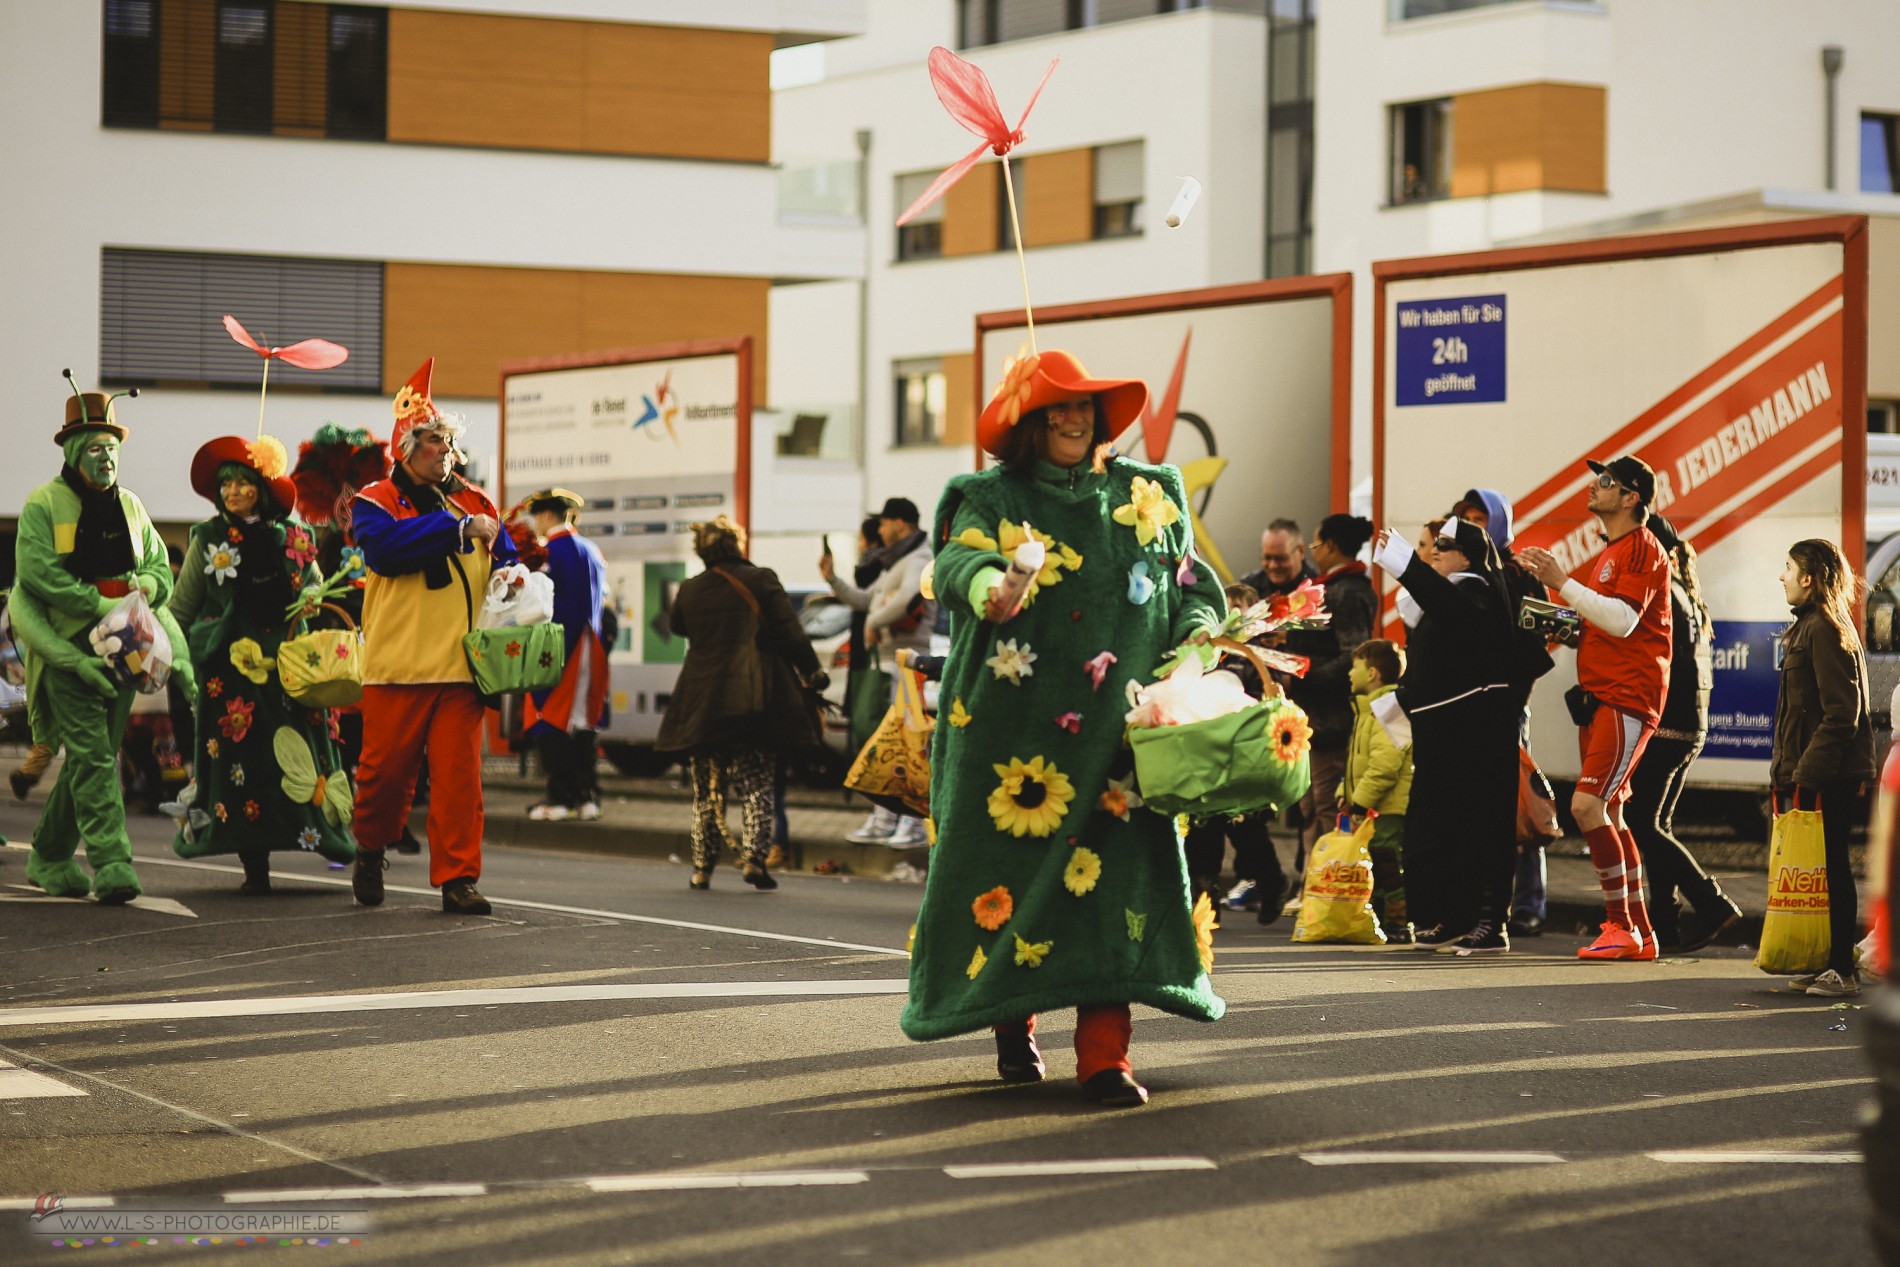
(959, 408)
(1058, 193)
(473, 318)
(301, 69)
(583, 87)
(970, 210)
(1529, 136)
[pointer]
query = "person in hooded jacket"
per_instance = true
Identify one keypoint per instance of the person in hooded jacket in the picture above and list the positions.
(1656, 785)
(1463, 708)
(1493, 512)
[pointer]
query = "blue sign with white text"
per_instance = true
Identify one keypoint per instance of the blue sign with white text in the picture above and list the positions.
(1450, 351)
(1742, 705)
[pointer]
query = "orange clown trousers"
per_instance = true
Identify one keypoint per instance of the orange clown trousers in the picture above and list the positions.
(400, 724)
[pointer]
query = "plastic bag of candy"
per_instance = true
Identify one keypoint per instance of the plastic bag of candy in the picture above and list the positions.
(133, 644)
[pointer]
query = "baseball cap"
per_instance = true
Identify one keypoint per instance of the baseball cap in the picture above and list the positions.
(1632, 473)
(900, 508)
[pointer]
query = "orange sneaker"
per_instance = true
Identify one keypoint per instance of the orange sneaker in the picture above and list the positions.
(1614, 942)
(1647, 951)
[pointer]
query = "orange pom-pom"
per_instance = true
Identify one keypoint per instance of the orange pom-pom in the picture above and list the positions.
(268, 457)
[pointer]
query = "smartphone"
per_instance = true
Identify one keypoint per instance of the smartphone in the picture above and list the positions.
(824, 540)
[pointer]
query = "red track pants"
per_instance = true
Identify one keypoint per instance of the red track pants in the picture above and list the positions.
(1102, 1031)
(401, 724)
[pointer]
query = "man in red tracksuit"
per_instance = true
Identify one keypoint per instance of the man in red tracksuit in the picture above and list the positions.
(431, 540)
(1623, 671)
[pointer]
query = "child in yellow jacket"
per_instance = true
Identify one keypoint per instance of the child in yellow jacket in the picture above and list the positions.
(1378, 780)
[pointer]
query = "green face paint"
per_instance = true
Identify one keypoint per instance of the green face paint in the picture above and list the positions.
(95, 455)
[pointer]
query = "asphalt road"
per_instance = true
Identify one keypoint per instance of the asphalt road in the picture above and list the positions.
(615, 1069)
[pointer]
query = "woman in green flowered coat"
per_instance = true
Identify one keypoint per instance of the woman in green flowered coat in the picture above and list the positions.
(266, 774)
(1049, 886)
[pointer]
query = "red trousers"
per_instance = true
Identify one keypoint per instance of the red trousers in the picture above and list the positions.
(400, 724)
(1102, 1031)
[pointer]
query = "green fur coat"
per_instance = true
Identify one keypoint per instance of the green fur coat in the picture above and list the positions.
(1046, 890)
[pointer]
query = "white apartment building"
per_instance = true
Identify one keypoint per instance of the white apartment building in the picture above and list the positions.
(474, 180)
(1522, 121)
(1534, 121)
(1147, 92)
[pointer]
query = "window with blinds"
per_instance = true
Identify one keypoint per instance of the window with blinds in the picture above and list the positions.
(1120, 178)
(279, 67)
(161, 317)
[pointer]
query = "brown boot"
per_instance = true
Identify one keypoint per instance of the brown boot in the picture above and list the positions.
(459, 897)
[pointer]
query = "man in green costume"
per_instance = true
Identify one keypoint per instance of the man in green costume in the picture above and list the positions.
(83, 544)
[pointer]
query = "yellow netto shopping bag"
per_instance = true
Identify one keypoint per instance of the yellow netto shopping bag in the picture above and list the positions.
(1337, 903)
(1794, 936)
(893, 768)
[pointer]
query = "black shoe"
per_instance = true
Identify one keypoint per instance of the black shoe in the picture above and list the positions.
(21, 783)
(459, 897)
(116, 897)
(1698, 930)
(256, 875)
(1017, 1059)
(1272, 902)
(759, 878)
(408, 844)
(1434, 937)
(1526, 926)
(1115, 1089)
(255, 888)
(1486, 939)
(1400, 936)
(366, 881)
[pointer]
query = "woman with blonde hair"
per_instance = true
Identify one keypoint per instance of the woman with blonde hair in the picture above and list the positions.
(1824, 736)
(741, 699)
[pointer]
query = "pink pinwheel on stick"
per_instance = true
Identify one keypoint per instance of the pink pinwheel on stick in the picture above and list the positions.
(307, 354)
(966, 93)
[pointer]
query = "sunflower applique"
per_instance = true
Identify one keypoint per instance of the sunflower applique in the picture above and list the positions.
(1032, 798)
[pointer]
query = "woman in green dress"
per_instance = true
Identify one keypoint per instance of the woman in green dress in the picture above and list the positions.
(266, 775)
(1049, 885)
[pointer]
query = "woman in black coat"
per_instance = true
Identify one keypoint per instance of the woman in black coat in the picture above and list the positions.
(1824, 735)
(1463, 705)
(741, 699)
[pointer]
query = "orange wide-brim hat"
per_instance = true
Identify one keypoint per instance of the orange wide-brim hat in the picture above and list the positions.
(265, 455)
(1032, 381)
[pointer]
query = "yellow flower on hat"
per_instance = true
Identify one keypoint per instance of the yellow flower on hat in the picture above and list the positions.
(411, 403)
(1032, 797)
(1013, 391)
(1148, 510)
(268, 457)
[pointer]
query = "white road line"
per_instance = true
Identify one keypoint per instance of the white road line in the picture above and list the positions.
(1111, 1166)
(315, 1004)
(766, 1179)
(343, 882)
(390, 1193)
(143, 902)
(1428, 1159)
(23, 1084)
(1760, 1159)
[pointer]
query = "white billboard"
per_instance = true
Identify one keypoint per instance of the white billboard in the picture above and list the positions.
(1732, 361)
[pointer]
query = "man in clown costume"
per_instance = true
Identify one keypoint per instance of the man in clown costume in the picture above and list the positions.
(431, 540)
(84, 543)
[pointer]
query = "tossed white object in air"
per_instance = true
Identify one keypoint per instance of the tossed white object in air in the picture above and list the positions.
(1183, 201)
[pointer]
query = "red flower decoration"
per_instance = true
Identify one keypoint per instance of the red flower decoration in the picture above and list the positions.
(253, 811)
(233, 535)
(214, 688)
(342, 650)
(236, 722)
(300, 547)
(966, 93)
(513, 649)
